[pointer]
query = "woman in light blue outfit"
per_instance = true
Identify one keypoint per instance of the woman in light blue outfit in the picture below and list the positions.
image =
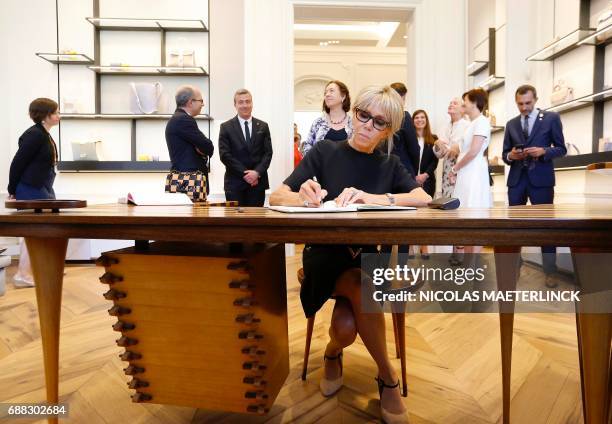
(335, 123)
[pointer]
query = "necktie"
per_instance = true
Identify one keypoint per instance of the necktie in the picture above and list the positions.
(247, 133)
(526, 127)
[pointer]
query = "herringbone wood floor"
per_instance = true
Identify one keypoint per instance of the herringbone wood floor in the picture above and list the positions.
(453, 360)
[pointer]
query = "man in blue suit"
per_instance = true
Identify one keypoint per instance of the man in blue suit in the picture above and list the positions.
(245, 147)
(531, 141)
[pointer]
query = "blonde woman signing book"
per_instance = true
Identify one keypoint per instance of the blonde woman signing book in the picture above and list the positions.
(353, 171)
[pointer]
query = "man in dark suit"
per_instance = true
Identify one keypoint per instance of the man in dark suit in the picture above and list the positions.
(189, 148)
(245, 147)
(531, 141)
(405, 143)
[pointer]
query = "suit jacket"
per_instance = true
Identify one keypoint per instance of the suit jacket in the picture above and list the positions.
(406, 145)
(183, 137)
(35, 158)
(238, 156)
(429, 163)
(547, 132)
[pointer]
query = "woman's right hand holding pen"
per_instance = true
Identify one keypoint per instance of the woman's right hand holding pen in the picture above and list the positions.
(311, 194)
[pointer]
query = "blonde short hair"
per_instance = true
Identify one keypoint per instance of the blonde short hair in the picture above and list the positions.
(386, 99)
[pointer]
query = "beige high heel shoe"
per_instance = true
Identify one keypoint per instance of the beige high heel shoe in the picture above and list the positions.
(389, 417)
(331, 387)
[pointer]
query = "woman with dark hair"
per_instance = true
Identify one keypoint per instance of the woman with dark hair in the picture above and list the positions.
(428, 161)
(32, 170)
(353, 171)
(335, 123)
(472, 169)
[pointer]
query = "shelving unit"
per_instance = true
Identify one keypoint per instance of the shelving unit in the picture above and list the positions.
(497, 128)
(583, 36)
(100, 24)
(493, 81)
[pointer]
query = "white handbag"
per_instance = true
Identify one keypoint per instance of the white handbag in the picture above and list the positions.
(561, 93)
(144, 97)
(181, 57)
(604, 20)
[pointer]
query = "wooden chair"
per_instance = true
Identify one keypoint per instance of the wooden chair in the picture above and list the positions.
(399, 330)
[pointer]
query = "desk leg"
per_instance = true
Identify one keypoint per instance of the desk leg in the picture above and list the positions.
(594, 337)
(507, 272)
(47, 256)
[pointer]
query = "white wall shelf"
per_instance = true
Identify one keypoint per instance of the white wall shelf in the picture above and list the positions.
(137, 24)
(476, 67)
(149, 70)
(66, 58)
(561, 46)
(582, 102)
(126, 116)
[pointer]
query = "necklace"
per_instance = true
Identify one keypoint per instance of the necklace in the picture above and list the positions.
(340, 121)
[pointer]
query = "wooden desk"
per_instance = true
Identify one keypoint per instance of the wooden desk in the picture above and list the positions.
(583, 228)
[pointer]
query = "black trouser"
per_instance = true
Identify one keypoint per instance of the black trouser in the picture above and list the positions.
(247, 197)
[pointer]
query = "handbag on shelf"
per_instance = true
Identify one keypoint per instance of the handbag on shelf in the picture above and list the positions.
(605, 144)
(192, 183)
(181, 57)
(86, 150)
(605, 20)
(561, 93)
(572, 149)
(144, 97)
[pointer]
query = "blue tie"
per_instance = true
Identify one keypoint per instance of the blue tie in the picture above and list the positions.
(247, 133)
(526, 127)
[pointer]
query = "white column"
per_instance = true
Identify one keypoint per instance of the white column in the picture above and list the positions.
(438, 31)
(268, 74)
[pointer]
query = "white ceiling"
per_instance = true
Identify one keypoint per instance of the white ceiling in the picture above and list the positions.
(353, 26)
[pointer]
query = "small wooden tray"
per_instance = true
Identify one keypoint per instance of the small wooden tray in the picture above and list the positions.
(40, 205)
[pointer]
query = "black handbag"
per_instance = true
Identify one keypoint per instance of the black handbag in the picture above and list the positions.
(192, 183)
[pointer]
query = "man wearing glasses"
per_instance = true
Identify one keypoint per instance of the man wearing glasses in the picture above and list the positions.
(189, 148)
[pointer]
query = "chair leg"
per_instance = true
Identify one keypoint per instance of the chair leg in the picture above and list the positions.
(401, 339)
(309, 328)
(395, 336)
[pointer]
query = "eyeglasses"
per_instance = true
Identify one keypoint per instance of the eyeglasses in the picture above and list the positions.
(198, 100)
(379, 124)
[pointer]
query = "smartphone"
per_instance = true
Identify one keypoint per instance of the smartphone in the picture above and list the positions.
(519, 146)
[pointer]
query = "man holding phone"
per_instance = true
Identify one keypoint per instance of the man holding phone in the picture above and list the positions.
(531, 141)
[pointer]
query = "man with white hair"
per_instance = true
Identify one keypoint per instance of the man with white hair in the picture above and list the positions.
(189, 148)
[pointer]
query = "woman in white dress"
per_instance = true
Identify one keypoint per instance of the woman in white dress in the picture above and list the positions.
(472, 169)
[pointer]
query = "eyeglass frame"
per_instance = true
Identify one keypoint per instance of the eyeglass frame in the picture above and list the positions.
(373, 118)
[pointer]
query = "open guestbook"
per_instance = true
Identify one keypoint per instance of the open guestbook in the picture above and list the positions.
(330, 206)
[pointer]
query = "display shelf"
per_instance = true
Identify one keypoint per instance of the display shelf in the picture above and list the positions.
(149, 70)
(492, 82)
(582, 102)
(497, 128)
(476, 67)
(66, 58)
(591, 40)
(581, 161)
(114, 166)
(561, 46)
(136, 24)
(126, 116)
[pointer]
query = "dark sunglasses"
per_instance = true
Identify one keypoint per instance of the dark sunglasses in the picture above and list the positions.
(364, 116)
